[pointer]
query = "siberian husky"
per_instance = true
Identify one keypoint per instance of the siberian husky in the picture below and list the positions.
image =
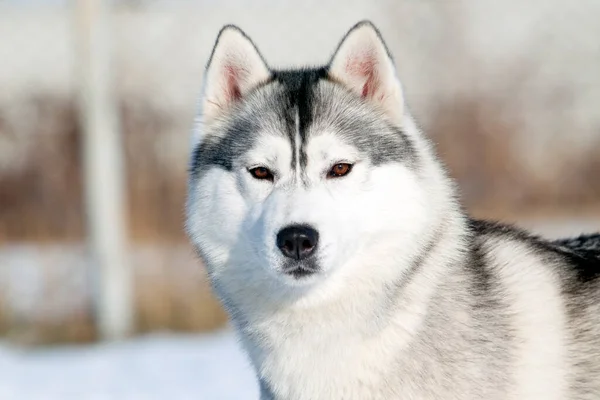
(335, 239)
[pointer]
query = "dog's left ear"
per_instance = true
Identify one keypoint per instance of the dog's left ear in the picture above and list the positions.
(363, 64)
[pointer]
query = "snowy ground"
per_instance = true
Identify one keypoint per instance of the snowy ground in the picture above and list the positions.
(148, 368)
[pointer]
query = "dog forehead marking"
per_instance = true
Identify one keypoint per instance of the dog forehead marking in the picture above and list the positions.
(296, 148)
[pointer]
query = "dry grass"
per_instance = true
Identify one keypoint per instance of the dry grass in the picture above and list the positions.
(42, 200)
(478, 148)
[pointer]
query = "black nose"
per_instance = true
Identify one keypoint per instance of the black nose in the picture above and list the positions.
(297, 241)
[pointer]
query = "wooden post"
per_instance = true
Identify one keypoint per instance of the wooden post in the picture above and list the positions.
(103, 170)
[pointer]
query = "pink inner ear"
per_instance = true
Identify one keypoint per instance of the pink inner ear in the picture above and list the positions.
(232, 83)
(363, 67)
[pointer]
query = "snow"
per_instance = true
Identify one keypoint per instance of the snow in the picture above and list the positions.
(161, 366)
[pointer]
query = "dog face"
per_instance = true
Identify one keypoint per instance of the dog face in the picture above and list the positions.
(296, 174)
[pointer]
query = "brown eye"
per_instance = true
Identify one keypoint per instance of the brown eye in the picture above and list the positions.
(339, 170)
(261, 173)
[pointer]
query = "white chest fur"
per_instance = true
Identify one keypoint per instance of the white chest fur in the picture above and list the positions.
(308, 356)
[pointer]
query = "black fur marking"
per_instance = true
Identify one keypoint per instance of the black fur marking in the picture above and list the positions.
(299, 92)
(482, 283)
(490, 308)
(585, 243)
(583, 253)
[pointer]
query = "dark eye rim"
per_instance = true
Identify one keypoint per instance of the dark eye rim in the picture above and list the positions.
(268, 176)
(331, 174)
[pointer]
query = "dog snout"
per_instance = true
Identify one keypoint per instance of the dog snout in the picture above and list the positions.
(297, 241)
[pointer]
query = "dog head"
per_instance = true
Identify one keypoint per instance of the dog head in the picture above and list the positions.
(297, 174)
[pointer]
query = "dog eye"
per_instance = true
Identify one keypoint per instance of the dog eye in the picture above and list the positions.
(261, 173)
(339, 170)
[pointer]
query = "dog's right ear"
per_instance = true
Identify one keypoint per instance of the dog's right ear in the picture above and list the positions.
(234, 68)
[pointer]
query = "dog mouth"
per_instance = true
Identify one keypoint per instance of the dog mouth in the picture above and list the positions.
(300, 270)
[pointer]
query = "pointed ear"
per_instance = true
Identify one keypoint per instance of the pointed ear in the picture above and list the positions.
(363, 64)
(234, 68)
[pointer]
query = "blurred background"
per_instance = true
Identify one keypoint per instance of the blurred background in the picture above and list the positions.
(97, 100)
